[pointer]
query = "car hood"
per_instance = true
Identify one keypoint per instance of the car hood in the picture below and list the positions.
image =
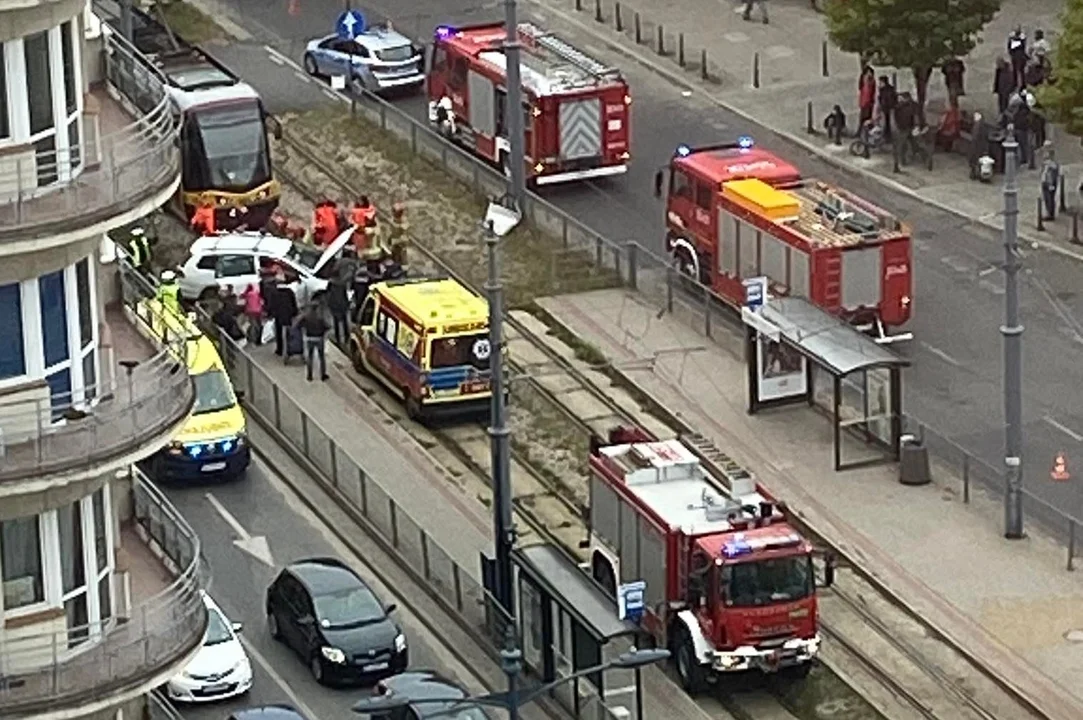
(216, 659)
(378, 636)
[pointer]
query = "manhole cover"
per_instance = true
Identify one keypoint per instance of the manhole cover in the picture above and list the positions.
(1075, 636)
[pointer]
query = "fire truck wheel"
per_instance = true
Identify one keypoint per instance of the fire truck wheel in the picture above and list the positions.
(693, 676)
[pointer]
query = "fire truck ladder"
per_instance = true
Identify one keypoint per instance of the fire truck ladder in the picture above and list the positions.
(737, 479)
(568, 52)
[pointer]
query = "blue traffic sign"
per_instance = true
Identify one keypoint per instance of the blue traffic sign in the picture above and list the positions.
(755, 292)
(350, 24)
(631, 600)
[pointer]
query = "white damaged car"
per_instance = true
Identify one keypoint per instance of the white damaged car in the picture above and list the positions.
(220, 669)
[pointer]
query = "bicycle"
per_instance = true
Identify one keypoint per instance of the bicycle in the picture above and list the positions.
(869, 138)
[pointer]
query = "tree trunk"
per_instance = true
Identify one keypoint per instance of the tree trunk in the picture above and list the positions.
(921, 88)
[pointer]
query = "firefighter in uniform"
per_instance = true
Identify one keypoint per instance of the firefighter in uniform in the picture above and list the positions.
(139, 250)
(169, 292)
(442, 115)
(325, 223)
(363, 211)
(203, 221)
(398, 237)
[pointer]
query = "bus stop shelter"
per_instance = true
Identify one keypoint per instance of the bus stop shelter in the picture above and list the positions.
(799, 354)
(567, 623)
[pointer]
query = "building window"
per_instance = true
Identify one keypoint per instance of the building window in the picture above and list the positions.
(5, 122)
(101, 530)
(72, 556)
(46, 161)
(20, 558)
(54, 318)
(12, 350)
(60, 391)
(90, 376)
(75, 148)
(86, 302)
(105, 597)
(67, 50)
(39, 82)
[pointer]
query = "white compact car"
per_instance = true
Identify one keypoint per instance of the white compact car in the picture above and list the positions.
(235, 259)
(220, 669)
(380, 58)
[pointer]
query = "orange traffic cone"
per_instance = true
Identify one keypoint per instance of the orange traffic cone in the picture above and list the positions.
(1060, 469)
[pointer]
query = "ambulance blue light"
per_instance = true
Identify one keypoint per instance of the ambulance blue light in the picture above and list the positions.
(734, 548)
(684, 150)
(443, 32)
(227, 446)
(745, 142)
(196, 450)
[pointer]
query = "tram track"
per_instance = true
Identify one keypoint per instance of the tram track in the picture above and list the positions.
(951, 686)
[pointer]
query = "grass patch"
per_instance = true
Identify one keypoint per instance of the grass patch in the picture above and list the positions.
(189, 22)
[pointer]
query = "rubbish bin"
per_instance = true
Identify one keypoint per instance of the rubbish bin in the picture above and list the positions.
(913, 461)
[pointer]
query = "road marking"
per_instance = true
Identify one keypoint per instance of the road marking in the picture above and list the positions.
(233, 522)
(956, 264)
(276, 60)
(331, 94)
(294, 698)
(941, 354)
(254, 545)
(1063, 428)
(1070, 334)
(986, 271)
(285, 60)
(990, 286)
(302, 76)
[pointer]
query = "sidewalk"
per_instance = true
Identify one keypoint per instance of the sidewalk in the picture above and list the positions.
(789, 52)
(1010, 603)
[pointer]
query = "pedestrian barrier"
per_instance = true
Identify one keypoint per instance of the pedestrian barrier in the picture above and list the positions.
(82, 663)
(457, 589)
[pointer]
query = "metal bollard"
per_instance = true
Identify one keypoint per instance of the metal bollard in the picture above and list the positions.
(579, 5)
(598, 11)
(661, 40)
(1041, 212)
(823, 59)
(756, 70)
(680, 49)
(638, 29)
(617, 20)
(1060, 186)
(704, 72)
(810, 127)
(1075, 228)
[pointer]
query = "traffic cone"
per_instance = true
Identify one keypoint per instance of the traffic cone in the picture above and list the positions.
(1060, 469)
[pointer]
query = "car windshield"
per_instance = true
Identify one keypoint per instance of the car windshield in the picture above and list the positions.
(218, 630)
(763, 582)
(213, 392)
(396, 54)
(347, 608)
(235, 146)
(461, 350)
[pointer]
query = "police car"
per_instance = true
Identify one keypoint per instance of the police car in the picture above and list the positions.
(382, 59)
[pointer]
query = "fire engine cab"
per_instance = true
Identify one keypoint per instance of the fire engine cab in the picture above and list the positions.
(735, 211)
(576, 108)
(730, 584)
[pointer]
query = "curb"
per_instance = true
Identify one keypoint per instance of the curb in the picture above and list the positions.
(678, 78)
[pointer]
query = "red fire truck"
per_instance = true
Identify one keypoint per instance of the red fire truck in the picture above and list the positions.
(735, 211)
(576, 108)
(729, 584)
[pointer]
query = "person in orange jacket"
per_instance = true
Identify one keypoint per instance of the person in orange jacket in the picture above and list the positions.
(203, 219)
(325, 223)
(361, 214)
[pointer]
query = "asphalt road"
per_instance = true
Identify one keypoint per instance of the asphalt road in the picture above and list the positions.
(954, 385)
(265, 507)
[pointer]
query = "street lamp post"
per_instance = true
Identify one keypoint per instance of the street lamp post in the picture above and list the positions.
(513, 110)
(513, 699)
(1012, 331)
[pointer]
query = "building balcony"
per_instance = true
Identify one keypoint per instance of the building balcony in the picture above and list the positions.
(120, 171)
(47, 440)
(157, 627)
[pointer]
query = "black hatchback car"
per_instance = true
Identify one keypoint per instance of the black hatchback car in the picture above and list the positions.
(323, 610)
(426, 685)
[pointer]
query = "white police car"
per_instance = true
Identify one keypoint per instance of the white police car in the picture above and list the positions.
(382, 59)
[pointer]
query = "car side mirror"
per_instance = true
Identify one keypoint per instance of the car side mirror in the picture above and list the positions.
(274, 126)
(239, 394)
(658, 184)
(237, 627)
(391, 608)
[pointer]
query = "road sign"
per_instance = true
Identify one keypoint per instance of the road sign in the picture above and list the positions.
(755, 292)
(631, 600)
(1060, 469)
(350, 24)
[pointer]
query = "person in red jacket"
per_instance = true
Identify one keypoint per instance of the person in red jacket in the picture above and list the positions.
(325, 223)
(203, 218)
(866, 95)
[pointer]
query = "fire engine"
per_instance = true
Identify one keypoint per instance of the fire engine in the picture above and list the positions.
(576, 108)
(735, 211)
(729, 583)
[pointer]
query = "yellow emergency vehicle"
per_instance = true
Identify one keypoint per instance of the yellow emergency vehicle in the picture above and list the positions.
(427, 340)
(213, 443)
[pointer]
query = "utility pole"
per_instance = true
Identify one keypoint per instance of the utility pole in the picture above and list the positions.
(126, 27)
(1012, 331)
(503, 533)
(513, 112)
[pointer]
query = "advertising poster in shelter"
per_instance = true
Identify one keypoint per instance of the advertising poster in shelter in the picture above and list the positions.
(782, 371)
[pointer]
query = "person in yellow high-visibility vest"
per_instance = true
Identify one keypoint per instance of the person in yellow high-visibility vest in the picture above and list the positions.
(169, 292)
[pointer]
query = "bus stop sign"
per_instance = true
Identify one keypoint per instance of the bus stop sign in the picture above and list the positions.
(631, 600)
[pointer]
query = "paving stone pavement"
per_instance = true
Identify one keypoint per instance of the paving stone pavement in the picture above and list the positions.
(790, 53)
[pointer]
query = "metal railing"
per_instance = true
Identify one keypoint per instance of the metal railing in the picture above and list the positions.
(42, 188)
(80, 663)
(51, 433)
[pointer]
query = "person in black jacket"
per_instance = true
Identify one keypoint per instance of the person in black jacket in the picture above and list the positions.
(314, 328)
(888, 99)
(338, 304)
(282, 307)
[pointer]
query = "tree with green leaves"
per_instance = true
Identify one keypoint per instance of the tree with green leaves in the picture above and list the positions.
(917, 34)
(1062, 97)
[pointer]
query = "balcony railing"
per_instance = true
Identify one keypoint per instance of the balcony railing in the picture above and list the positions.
(77, 665)
(43, 190)
(45, 433)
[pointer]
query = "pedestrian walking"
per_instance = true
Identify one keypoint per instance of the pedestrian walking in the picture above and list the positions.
(252, 298)
(979, 145)
(139, 250)
(888, 99)
(954, 71)
(282, 307)
(1017, 52)
(1050, 181)
(168, 293)
(314, 329)
(1003, 84)
(905, 122)
(866, 95)
(338, 304)
(761, 4)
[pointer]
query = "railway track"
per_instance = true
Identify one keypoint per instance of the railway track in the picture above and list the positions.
(562, 394)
